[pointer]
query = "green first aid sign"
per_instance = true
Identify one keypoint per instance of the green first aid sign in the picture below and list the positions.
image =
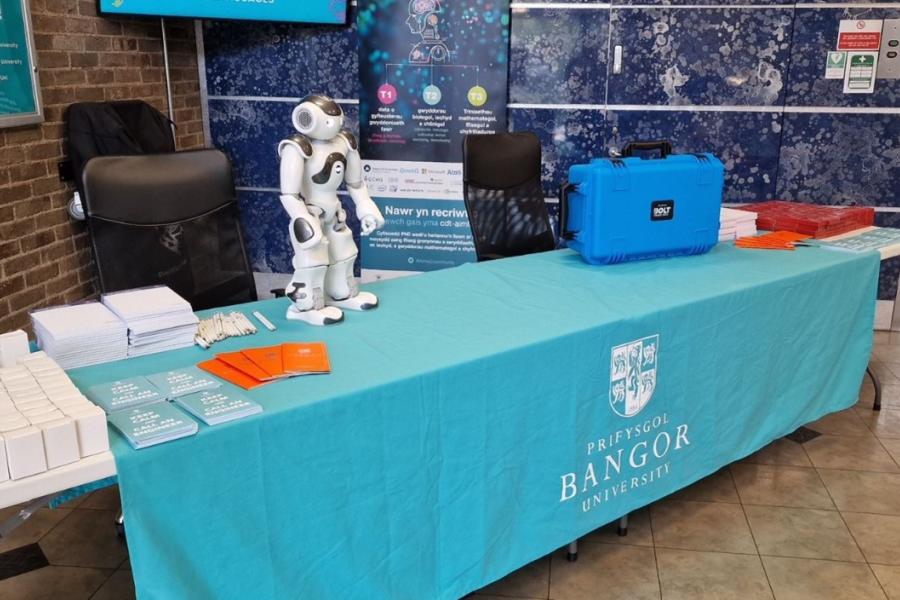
(860, 75)
(19, 92)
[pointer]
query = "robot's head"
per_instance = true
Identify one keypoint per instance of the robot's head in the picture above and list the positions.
(318, 117)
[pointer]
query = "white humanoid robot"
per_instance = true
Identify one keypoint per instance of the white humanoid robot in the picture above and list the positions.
(314, 163)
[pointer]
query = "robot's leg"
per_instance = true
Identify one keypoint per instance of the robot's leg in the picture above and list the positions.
(308, 300)
(307, 287)
(341, 288)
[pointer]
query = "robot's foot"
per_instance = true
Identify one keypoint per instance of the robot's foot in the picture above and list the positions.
(323, 316)
(361, 301)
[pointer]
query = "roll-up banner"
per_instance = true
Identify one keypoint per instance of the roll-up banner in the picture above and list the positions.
(20, 93)
(431, 71)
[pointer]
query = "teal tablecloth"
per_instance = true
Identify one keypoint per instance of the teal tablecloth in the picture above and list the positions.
(468, 426)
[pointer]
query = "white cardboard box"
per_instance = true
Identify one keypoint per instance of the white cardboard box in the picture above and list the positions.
(93, 436)
(13, 345)
(25, 452)
(60, 442)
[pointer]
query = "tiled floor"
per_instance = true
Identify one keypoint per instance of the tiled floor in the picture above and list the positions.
(816, 521)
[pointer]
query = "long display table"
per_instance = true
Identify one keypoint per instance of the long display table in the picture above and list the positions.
(487, 414)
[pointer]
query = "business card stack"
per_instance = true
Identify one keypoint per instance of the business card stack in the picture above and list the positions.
(78, 335)
(216, 407)
(736, 224)
(152, 424)
(45, 422)
(157, 318)
(254, 367)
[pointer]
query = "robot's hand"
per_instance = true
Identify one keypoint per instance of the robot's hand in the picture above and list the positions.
(370, 223)
(307, 231)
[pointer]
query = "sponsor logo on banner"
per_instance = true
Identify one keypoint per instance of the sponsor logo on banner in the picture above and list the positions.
(638, 453)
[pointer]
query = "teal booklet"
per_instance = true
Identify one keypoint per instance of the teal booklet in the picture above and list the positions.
(215, 407)
(124, 394)
(181, 382)
(152, 424)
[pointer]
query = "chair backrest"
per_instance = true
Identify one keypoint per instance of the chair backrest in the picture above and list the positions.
(503, 194)
(168, 219)
(119, 128)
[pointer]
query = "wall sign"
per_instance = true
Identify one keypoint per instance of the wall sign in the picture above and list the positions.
(860, 75)
(835, 65)
(431, 71)
(20, 92)
(859, 34)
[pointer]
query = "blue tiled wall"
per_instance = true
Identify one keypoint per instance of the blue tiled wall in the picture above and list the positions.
(740, 78)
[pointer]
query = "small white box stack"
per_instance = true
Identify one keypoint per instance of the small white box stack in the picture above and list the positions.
(158, 319)
(736, 224)
(45, 422)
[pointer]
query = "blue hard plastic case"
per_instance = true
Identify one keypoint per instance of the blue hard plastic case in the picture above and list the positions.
(621, 209)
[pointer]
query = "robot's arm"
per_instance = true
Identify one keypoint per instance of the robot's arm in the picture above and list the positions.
(305, 227)
(370, 217)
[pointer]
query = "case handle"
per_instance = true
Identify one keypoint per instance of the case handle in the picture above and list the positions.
(564, 232)
(664, 147)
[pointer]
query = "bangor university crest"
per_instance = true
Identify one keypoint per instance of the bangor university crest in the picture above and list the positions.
(632, 375)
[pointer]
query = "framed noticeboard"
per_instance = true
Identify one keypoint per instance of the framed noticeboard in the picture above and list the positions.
(20, 91)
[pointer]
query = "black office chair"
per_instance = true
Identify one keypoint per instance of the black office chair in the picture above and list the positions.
(503, 194)
(168, 219)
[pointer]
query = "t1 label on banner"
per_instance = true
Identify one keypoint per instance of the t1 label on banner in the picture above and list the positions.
(859, 34)
(835, 65)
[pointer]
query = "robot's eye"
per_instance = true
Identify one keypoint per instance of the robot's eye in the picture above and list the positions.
(305, 118)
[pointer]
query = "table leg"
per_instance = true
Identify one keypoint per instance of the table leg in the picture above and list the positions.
(877, 404)
(22, 515)
(120, 524)
(623, 526)
(572, 554)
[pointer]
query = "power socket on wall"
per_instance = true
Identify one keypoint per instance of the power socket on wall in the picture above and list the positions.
(889, 59)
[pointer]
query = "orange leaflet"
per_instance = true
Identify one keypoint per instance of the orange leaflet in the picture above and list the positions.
(300, 359)
(229, 374)
(242, 363)
(268, 359)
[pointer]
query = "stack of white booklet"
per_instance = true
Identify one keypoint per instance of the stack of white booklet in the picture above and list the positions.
(78, 335)
(158, 319)
(736, 224)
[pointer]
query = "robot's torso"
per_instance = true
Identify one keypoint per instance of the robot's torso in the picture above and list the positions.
(325, 167)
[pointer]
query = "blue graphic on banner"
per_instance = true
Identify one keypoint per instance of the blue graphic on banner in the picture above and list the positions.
(307, 11)
(431, 72)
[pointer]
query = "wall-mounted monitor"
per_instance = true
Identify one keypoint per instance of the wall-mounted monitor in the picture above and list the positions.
(291, 11)
(20, 91)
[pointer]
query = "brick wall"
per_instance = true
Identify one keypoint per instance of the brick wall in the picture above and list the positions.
(45, 258)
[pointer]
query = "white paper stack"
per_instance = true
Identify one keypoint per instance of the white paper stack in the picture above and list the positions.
(736, 224)
(157, 318)
(80, 334)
